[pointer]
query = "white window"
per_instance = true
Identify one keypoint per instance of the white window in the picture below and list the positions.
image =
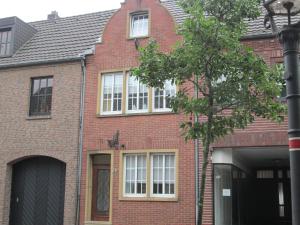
(162, 97)
(135, 167)
(112, 88)
(5, 42)
(163, 175)
(139, 25)
(137, 95)
(265, 174)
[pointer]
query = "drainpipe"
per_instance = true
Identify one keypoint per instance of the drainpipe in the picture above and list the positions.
(196, 151)
(80, 149)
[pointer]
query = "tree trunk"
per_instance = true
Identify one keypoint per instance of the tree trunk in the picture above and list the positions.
(206, 147)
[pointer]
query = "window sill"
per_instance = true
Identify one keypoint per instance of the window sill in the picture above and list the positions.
(97, 223)
(149, 199)
(136, 114)
(38, 117)
(138, 37)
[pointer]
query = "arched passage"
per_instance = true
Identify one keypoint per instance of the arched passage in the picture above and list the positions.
(37, 196)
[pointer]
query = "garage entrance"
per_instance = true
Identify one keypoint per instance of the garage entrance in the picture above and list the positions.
(37, 196)
(252, 186)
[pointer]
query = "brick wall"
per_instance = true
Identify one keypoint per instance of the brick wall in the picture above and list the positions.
(57, 137)
(261, 133)
(117, 52)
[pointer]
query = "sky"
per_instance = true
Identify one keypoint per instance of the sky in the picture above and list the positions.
(35, 10)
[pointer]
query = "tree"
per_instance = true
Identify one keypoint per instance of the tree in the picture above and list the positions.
(233, 85)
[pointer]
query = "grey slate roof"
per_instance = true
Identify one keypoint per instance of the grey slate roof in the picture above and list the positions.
(59, 40)
(68, 37)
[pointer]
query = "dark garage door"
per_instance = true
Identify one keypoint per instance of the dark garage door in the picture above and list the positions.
(38, 187)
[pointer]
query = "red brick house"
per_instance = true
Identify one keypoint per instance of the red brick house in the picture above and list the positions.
(137, 169)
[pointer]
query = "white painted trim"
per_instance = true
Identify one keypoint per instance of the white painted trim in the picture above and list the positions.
(127, 98)
(135, 182)
(151, 177)
(294, 138)
(112, 95)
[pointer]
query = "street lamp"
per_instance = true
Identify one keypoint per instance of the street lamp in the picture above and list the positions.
(289, 37)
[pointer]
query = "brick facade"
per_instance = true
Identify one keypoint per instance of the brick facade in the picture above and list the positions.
(22, 137)
(147, 131)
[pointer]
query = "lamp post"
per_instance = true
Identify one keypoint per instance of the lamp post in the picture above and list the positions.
(289, 37)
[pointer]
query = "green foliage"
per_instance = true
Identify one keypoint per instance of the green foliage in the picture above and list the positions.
(234, 84)
(238, 82)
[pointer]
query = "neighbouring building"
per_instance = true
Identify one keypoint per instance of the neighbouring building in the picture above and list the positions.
(41, 72)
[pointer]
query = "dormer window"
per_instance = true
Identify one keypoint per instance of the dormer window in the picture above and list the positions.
(139, 25)
(5, 42)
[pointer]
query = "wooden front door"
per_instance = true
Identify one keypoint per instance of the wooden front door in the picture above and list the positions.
(101, 192)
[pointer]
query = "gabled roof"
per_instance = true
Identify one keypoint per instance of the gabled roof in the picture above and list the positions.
(64, 39)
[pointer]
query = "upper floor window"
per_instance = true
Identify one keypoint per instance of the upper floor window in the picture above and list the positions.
(41, 96)
(112, 88)
(139, 25)
(122, 93)
(137, 95)
(162, 97)
(5, 42)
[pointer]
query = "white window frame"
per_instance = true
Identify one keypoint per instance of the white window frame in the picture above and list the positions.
(138, 92)
(164, 109)
(151, 180)
(138, 14)
(135, 195)
(112, 95)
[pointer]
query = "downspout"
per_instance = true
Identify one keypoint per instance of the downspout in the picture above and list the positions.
(196, 150)
(80, 149)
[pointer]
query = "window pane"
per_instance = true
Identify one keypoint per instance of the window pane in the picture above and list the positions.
(162, 97)
(163, 173)
(107, 92)
(5, 39)
(49, 86)
(34, 104)
(132, 93)
(139, 25)
(41, 96)
(265, 174)
(143, 97)
(43, 86)
(118, 86)
(280, 194)
(2, 51)
(137, 96)
(36, 87)
(103, 191)
(135, 174)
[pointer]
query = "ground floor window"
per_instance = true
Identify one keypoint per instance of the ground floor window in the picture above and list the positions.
(135, 174)
(149, 174)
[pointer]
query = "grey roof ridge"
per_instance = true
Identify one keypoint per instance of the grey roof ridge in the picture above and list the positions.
(74, 16)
